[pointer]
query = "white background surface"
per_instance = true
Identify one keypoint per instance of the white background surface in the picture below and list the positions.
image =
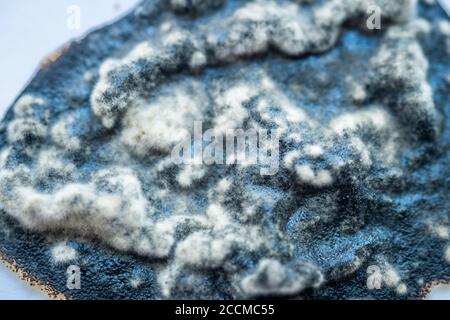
(30, 31)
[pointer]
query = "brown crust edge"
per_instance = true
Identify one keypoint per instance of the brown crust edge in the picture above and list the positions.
(30, 280)
(53, 57)
(430, 285)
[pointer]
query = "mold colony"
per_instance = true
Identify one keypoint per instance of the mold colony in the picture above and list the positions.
(101, 169)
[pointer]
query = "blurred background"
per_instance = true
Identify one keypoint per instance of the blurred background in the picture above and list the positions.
(29, 32)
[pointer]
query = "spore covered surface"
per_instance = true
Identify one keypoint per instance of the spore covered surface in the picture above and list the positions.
(87, 177)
